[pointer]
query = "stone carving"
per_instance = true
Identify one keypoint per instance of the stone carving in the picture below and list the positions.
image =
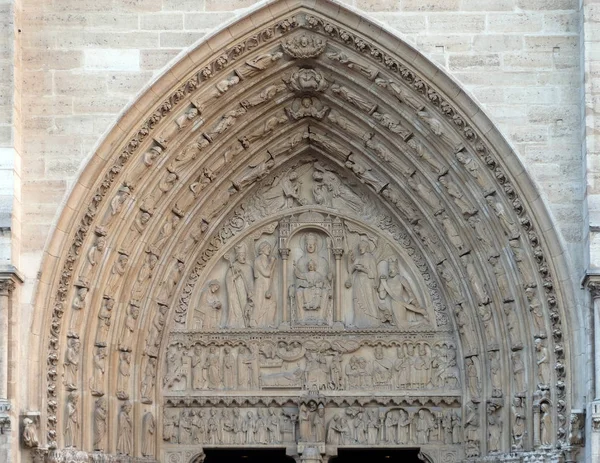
(258, 64)
(267, 94)
(307, 107)
(117, 203)
(545, 424)
(126, 339)
(125, 430)
(265, 305)
(227, 120)
(30, 436)
(166, 231)
(512, 324)
(483, 234)
(328, 144)
(543, 363)
(148, 380)
(454, 191)
(149, 202)
(363, 272)
(518, 368)
(99, 367)
(313, 276)
(124, 373)
(79, 305)
(72, 420)
(148, 430)
(343, 58)
(187, 155)
(402, 95)
(501, 279)
(494, 422)
(435, 165)
(475, 279)
(345, 124)
(452, 232)
(156, 329)
(511, 229)
(146, 162)
(392, 125)
(189, 115)
(117, 271)
(353, 98)
(364, 173)
(168, 285)
(100, 415)
(72, 363)
(306, 80)
(239, 282)
(208, 313)
(473, 377)
(144, 276)
(268, 127)
(471, 165)
(495, 373)
(472, 436)
(304, 46)
(104, 321)
(224, 85)
(520, 256)
(93, 255)
(426, 194)
(518, 423)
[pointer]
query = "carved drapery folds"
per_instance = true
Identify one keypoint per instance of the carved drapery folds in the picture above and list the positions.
(307, 216)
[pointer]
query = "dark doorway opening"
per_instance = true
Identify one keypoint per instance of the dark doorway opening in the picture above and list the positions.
(377, 456)
(247, 456)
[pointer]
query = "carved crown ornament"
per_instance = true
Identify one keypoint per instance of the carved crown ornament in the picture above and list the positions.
(325, 196)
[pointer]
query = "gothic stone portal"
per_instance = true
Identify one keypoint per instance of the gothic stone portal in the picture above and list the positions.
(308, 246)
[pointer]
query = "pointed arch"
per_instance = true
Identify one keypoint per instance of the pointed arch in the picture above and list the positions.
(179, 180)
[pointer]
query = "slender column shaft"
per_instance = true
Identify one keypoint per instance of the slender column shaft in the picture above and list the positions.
(6, 289)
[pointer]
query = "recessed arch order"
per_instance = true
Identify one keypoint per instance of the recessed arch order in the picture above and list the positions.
(305, 235)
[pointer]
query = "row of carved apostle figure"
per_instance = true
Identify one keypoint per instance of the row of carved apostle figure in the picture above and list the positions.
(228, 426)
(411, 365)
(372, 426)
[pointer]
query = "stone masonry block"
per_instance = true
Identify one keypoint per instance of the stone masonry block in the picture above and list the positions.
(107, 59)
(161, 21)
(183, 5)
(403, 23)
(205, 21)
(227, 5)
(156, 59)
(38, 58)
(179, 39)
(379, 5)
(455, 23)
(79, 84)
(497, 43)
(545, 5)
(487, 5)
(528, 61)
(514, 22)
(485, 61)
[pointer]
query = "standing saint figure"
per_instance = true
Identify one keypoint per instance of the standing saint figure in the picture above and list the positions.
(100, 414)
(239, 281)
(124, 430)
(72, 425)
(148, 429)
(363, 271)
(208, 313)
(265, 305)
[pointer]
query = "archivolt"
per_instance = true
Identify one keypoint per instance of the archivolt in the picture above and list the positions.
(163, 194)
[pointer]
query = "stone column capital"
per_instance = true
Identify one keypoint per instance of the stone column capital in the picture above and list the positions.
(8, 281)
(592, 283)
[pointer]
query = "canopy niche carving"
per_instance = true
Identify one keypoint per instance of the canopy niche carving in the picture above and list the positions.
(312, 240)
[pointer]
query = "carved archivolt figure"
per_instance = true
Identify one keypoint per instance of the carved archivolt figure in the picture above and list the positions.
(307, 107)
(518, 423)
(133, 313)
(117, 271)
(353, 98)
(148, 380)
(268, 93)
(239, 281)
(125, 430)
(97, 379)
(30, 437)
(545, 424)
(208, 313)
(400, 93)
(543, 363)
(92, 257)
(265, 303)
(79, 305)
(124, 373)
(363, 271)
(307, 79)
(148, 430)
(158, 324)
(100, 414)
(72, 363)
(259, 64)
(72, 420)
(104, 316)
